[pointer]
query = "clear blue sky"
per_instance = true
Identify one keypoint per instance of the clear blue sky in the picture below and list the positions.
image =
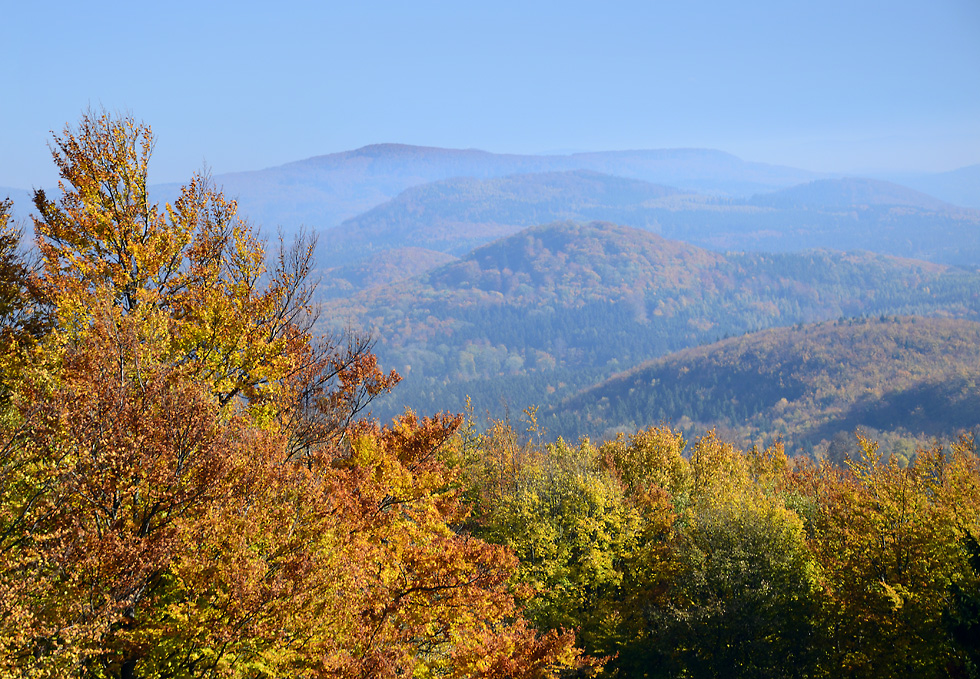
(831, 85)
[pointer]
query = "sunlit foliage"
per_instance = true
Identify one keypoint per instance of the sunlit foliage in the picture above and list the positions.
(188, 488)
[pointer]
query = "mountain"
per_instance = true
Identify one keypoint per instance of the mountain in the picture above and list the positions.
(323, 191)
(388, 196)
(804, 384)
(959, 187)
(455, 215)
(391, 196)
(841, 194)
(697, 170)
(534, 317)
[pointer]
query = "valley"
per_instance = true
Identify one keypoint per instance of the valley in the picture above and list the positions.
(531, 319)
(501, 282)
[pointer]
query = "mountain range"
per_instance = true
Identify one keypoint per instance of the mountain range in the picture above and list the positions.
(959, 187)
(453, 216)
(523, 280)
(390, 196)
(323, 191)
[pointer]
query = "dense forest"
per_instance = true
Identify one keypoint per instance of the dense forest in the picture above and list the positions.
(535, 317)
(191, 485)
(805, 385)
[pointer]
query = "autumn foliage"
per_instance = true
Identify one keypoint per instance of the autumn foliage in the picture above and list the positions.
(187, 486)
(706, 561)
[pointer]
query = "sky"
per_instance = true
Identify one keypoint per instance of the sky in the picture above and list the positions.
(838, 86)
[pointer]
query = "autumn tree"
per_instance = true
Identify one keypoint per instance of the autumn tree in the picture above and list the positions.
(193, 270)
(673, 567)
(22, 316)
(893, 544)
(570, 525)
(745, 601)
(188, 490)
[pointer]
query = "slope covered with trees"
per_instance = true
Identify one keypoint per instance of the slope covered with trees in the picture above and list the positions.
(537, 316)
(805, 384)
(702, 560)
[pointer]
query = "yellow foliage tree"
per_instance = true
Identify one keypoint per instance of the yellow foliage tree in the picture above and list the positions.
(187, 490)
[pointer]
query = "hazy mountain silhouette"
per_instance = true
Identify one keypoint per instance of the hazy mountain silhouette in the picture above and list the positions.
(455, 215)
(959, 187)
(322, 191)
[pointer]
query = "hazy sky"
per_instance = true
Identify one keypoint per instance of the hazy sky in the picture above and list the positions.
(827, 85)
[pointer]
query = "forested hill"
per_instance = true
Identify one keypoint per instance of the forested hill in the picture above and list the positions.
(456, 215)
(534, 317)
(804, 384)
(850, 193)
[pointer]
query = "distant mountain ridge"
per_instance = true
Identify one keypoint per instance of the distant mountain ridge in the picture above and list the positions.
(849, 192)
(959, 187)
(322, 191)
(365, 185)
(392, 196)
(455, 215)
(675, 166)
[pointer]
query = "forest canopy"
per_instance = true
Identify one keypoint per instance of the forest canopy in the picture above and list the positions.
(191, 486)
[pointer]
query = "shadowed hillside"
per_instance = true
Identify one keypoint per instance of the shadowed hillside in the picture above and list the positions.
(804, 384)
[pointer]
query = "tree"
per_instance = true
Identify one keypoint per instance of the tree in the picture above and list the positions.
(188, 489)
(22, 320)
(744, 604)
(567, 520)
(193, 270)
(734, 593)
(892, 545)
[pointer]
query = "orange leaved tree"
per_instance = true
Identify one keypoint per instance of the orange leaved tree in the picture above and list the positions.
(187, 488)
